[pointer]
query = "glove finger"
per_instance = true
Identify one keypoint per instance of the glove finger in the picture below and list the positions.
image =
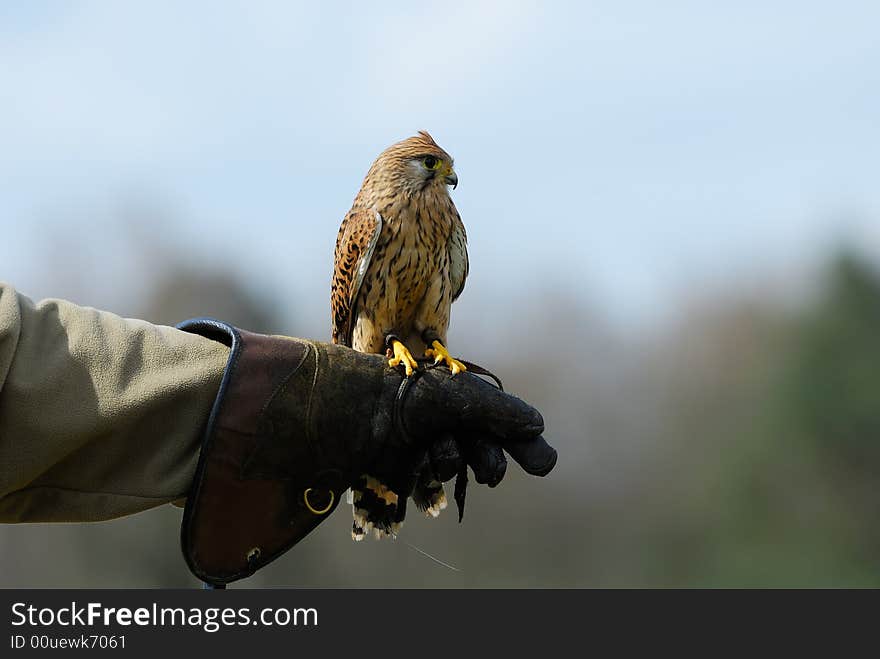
(445, 458)
(486, 459)
(534, 455)
(464, 401)
(403, 475)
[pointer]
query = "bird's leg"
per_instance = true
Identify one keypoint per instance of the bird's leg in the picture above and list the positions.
(400, 354)
(440, 354)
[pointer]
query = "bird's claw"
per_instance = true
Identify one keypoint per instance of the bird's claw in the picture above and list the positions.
(402, 356)
(441, 354)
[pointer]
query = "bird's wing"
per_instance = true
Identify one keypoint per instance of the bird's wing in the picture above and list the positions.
(355, 245)
(458, 258)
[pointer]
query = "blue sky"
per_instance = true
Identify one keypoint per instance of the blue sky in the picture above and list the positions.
(632, 154)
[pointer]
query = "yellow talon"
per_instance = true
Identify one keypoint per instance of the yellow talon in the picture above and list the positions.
(402, 355)
(441, 354)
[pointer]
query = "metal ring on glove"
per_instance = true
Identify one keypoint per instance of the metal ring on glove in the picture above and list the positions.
(313, 510)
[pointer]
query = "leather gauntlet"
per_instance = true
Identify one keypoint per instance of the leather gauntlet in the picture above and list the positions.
(296, 422)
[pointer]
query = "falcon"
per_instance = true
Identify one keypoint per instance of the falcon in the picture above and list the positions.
(400, 262)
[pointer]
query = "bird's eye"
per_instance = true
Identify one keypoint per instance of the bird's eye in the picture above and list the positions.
(431, 162)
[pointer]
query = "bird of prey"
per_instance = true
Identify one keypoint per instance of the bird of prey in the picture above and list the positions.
(400, 261)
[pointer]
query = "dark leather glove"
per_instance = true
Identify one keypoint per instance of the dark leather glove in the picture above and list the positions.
(296, 421)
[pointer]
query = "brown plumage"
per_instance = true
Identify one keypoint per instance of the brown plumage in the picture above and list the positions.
(400, 261)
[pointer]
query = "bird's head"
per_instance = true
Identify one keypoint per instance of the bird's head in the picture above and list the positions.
(415, 166)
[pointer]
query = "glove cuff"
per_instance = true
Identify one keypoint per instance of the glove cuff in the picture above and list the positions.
(237, 518)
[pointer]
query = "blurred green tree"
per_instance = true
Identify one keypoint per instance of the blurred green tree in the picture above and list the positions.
(836, 376)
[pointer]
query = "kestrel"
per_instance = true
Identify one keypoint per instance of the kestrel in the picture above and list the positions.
(400, 261)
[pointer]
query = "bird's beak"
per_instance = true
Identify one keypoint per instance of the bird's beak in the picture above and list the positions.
(452, 179)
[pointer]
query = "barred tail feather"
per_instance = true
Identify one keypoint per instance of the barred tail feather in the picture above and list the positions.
(375, 507)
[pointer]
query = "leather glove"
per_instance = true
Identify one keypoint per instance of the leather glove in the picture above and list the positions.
(294, 424)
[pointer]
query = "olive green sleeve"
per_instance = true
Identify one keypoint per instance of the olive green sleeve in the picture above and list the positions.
(100, 416)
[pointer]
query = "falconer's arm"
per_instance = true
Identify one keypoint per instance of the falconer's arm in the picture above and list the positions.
(100, 416)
